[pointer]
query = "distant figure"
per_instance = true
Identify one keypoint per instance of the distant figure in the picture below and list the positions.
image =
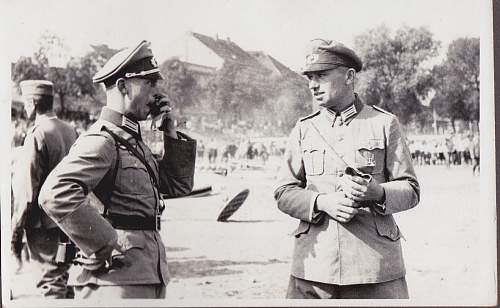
(212, 151)
(450, 147)
(44, 147)
(200, 151)
(441, 149)
(468, 150)
(475, 153)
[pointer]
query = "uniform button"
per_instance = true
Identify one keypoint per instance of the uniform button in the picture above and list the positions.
(340, 138)
(341, 155)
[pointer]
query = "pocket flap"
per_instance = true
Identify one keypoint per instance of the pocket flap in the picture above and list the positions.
(370, 144)
(387, 227)
(131, 162)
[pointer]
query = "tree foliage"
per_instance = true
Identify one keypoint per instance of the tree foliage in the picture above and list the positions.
(237, 92)
(72, 81)
(394, 75)
(457, 81)
(181, 87)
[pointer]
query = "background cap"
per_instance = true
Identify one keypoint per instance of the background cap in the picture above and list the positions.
(36, 87)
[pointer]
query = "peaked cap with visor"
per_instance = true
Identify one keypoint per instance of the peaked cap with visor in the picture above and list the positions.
(137, 62)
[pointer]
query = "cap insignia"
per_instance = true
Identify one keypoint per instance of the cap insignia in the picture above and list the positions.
(312, 58)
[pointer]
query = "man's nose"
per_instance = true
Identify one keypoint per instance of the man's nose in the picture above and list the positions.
(313, 84)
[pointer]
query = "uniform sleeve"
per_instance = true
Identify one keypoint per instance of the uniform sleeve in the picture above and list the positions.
(402, 190)
(177, 165)
(64, 194)
(292, 197)
(28, 176)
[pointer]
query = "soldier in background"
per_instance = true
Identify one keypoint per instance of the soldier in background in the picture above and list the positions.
(475, 153)
(347, 243)
(44, 147)
(122, 254)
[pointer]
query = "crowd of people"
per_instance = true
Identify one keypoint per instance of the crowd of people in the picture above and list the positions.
(452, 149)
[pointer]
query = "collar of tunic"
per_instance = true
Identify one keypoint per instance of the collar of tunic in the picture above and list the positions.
(346, 115)
(122, 121)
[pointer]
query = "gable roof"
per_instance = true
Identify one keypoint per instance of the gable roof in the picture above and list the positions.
(272, 64)
(226, 49)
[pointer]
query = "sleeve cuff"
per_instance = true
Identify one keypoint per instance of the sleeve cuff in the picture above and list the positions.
(314, 214)
(380, 208)
(180, 154)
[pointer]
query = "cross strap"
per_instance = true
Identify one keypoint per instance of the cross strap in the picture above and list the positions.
(136, 154)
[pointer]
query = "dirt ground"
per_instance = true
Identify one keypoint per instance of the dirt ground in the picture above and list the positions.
(248, 257)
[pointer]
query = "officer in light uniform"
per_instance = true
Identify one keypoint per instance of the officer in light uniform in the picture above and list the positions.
(45, 145)
(121, 252)
(347, 243)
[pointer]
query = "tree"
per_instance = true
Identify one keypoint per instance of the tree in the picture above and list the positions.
(293, 101)
(179, 85)
(238, 89)
(457, 82)
(394, 75)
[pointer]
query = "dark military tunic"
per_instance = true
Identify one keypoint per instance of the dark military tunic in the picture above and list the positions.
(44, 147)
(89, 167)
(367, 249)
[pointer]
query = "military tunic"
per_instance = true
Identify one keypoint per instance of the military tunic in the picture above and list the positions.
(44, 147)
(89, 167)
(367, 249)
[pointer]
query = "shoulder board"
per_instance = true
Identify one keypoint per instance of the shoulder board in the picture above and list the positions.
(381, 110)
(115, 129)
(309, 116)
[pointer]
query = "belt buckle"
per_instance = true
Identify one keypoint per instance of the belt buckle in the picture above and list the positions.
(158, 223)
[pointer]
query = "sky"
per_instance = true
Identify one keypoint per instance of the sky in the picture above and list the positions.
(278, 27)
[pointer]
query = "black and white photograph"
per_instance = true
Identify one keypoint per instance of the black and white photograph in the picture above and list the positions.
(247, 153)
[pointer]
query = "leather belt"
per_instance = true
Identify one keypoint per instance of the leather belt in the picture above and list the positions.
(134, 222)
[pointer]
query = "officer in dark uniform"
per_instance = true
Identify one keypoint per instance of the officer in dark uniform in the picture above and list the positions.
(121, 252)
(45, 145)
(347, 169)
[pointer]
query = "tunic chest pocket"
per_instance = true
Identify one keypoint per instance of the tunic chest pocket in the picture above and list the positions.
(314, 161)
(370, 156)
(133, 177)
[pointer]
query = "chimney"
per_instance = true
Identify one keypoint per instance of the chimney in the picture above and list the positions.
(216, 36)
(229, 39)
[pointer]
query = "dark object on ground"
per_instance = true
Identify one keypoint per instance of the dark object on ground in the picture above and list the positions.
(233, 205)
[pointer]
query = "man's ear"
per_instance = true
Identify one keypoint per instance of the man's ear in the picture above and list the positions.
(121, 86)
(350, 76)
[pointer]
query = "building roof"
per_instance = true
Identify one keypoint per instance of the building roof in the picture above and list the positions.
(226, 49)
(272, 64)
